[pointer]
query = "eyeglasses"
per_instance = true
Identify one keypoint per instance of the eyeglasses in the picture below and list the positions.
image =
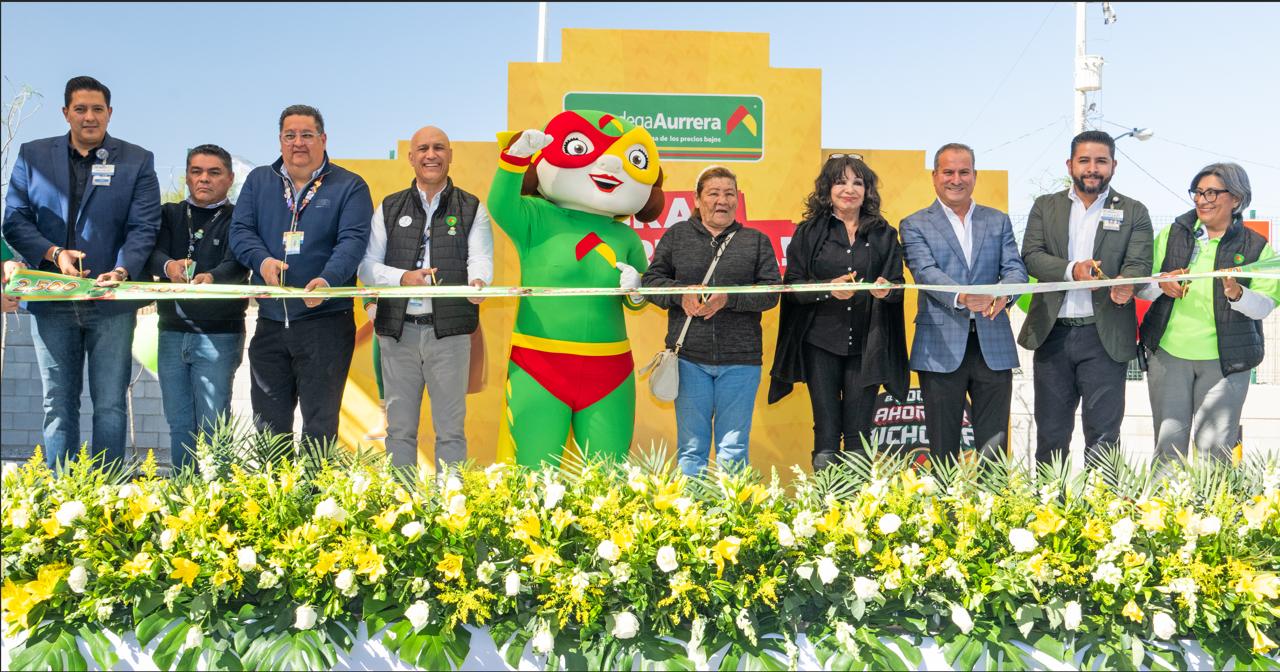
(844, 156)
(307, 137)
(1209, 195)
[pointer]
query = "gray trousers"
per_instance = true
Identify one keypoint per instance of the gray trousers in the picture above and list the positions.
(1186, 393)
(441, 365)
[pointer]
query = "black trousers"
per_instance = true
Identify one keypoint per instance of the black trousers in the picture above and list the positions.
(304, 365)
(1071, 368)
(990, 394)
(842, 405)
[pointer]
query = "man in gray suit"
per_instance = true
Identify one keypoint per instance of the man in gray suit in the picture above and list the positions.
(963, 343)
(1083, 339)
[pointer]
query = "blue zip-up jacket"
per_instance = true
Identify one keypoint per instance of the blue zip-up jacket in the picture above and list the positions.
(336, 231)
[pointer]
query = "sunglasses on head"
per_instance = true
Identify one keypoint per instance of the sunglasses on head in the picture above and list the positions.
(844, 156)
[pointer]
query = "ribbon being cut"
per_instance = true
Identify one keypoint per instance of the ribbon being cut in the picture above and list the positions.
(41, 286)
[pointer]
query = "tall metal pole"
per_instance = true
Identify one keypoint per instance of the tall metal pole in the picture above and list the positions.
(1080, 101)
(542, 32)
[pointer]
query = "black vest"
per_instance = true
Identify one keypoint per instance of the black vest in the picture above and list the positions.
(449, 231)
(1240, 345)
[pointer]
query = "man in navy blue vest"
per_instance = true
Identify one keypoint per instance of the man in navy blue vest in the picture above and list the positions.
(431, 233)
(88, 205)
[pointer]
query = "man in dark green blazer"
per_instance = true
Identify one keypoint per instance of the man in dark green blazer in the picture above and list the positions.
(1083, 339)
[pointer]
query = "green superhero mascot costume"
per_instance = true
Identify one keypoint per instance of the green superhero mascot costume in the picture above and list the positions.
(562, 195)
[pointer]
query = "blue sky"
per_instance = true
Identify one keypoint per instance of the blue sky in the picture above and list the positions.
(900, 76)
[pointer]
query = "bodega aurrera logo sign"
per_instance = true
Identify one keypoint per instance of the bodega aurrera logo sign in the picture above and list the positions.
(692, 127)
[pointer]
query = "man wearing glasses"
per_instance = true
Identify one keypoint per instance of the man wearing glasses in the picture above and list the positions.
(84, 204)
(301, 222)
(1083, 339)
(432, 233)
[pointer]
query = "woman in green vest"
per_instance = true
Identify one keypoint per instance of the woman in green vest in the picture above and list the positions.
(1203, 337)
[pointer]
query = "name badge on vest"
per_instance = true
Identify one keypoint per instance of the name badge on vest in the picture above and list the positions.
(1112, 218)
(404, 220)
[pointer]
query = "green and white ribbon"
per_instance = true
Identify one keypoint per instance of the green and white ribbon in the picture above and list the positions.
(41, 286)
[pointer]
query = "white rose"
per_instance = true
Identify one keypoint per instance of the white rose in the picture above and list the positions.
(621, 572)
(889, 523)
(1210, 525)
(1163, 626)
(167, 537)
(20, 517)
(805, 572)
(865, 588)
(543, 642)
(69, 512)
(1022, 540)
(513, 584)
(785, 538)
(827, 570)
(960, 616)
(458, 505)
(667, 559)
(77, 579)
(246, 559)
(1122, 531)
(1071, 616)
(412, 529)
(268, 580)
(555, 492)
(417, 613)
(485, 572)
(304, 617)
(625, 625)
(195, 637)
(345, 580)
(128, 490)
(329, 510)
(609, 551)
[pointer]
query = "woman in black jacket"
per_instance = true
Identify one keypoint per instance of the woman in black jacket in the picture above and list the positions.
(844, 344)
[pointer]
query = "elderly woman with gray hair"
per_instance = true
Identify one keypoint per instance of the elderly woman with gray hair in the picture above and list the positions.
(1202, 337)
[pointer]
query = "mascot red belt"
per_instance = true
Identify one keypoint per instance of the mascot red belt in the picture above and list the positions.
(562, 196)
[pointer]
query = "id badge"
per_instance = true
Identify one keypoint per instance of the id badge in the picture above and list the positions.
(190, 272)
(1112, 218)
(293, 242)
(103, 169)
(101, 180)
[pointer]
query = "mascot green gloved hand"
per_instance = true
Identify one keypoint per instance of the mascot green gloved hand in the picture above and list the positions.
(562, 195)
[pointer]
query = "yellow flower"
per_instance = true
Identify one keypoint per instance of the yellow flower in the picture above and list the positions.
(139, 565)
(664, 496)
(326, 562)
(141, 506)
(1255, 514)
(451, 566)
(251, 508)
(225, 537)
(1261, 643)
(369, 562)
(387, 519)
(624, 538)
(17, 601)
(46, 581)
(541, 557)
(51, 527)
(1152, 515)
(561, 519)
(1095, 531)
(528, 529)
(831, 521)
(1047, 521)
(726, 549)
(185, 570)
(1132, 611)
(1132, 559)
(1259, 586)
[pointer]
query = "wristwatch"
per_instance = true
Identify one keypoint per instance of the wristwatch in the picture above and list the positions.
(124, 272)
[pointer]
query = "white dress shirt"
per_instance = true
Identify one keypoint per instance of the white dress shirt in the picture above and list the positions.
(964, 233)
(1082, 232)
(374, 272)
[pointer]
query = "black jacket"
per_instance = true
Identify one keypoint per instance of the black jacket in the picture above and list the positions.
(884, 360)
(682, 257)
(213, 255)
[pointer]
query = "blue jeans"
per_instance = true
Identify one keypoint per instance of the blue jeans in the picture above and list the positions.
(722, 396)
(196, 371)
(65, 334)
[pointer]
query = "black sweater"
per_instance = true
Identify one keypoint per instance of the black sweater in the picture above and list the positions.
(682, 257)
(212, 255)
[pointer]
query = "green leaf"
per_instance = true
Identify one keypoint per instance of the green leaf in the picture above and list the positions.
(104, 654)
(908, 649)
(1048, 645)
(152, 626)
(1137, 653)
(167, 652)
(69, 652)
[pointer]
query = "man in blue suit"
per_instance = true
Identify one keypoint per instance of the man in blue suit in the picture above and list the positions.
(84, 204)
(963, 342)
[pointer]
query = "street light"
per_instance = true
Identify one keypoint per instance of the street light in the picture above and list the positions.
(1142, 134)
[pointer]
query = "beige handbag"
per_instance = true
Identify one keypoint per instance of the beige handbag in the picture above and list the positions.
(664, 368)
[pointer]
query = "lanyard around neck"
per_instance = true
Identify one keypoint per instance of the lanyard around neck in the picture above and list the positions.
(295, 210)
(194, 235)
